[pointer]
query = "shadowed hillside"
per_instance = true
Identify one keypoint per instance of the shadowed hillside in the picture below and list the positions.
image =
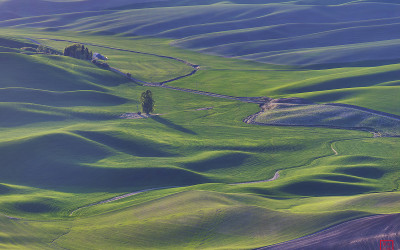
(14, 9)
(81, 168)
(279, 32)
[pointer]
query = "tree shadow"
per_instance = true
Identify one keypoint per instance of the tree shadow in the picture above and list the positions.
(173, 125)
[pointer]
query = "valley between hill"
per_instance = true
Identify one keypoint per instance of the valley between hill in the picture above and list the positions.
(75, 175)
(327, 115)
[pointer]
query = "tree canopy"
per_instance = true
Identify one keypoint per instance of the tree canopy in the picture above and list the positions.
(147, 102)
(78, 51)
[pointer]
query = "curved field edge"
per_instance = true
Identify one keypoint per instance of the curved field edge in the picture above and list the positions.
(339, 32)
(367, 80)
(179, 127)
(145, 67)
(299, 112)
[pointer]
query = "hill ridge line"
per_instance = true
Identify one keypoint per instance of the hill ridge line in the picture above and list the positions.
(258, 100)
(276, 176)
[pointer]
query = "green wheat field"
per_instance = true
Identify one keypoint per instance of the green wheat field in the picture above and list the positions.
(63, 145)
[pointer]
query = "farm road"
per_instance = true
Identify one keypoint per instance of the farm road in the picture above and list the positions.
(258, 100)
(195, 67)
(364, 233)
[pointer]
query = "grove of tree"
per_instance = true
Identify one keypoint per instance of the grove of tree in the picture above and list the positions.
(78, 51)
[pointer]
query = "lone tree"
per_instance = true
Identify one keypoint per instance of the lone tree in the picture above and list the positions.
(147, 102)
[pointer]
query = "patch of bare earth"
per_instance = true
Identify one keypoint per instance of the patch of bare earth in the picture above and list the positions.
(207, 108)
(137, 115)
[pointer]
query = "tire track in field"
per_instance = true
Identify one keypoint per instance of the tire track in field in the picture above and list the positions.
(362, 233)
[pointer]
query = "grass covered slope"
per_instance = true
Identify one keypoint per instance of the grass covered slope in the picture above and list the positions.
(64, 147)
(205, 220)
(143, 66)
(11, 9)
(334, 116)
(279, 32)
(234, 217)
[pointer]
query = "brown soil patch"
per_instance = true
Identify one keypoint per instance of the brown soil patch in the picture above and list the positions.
(136, 116)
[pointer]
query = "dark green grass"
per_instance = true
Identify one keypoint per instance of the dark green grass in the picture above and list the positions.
(52, 167)
(4, 189)
(213, 218)
(12, 115)
(323, 188)
(279, 32)
(218, 160)
(29, 234)
(363, 171)
(33, 72)
(148, 68)
(59, 98)
(14, 43)
(129, 144)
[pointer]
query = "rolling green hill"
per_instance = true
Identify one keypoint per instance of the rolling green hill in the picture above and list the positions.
(65, 150)
(278, 32)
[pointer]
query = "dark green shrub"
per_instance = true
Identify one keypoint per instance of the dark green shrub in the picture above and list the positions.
(101, 64)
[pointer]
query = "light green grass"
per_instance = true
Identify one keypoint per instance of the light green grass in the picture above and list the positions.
(64, 147)
(367, 86)
(312, 32)
(143, 67)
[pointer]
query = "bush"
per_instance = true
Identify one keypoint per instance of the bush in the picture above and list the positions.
(29, 49)
(47, 50)
(101, 64)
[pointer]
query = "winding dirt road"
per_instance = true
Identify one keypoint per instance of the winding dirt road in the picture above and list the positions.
(276, 176)
(194, 66)
(257, 100)
(364, 233)
(334, 150)
(118, 198)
